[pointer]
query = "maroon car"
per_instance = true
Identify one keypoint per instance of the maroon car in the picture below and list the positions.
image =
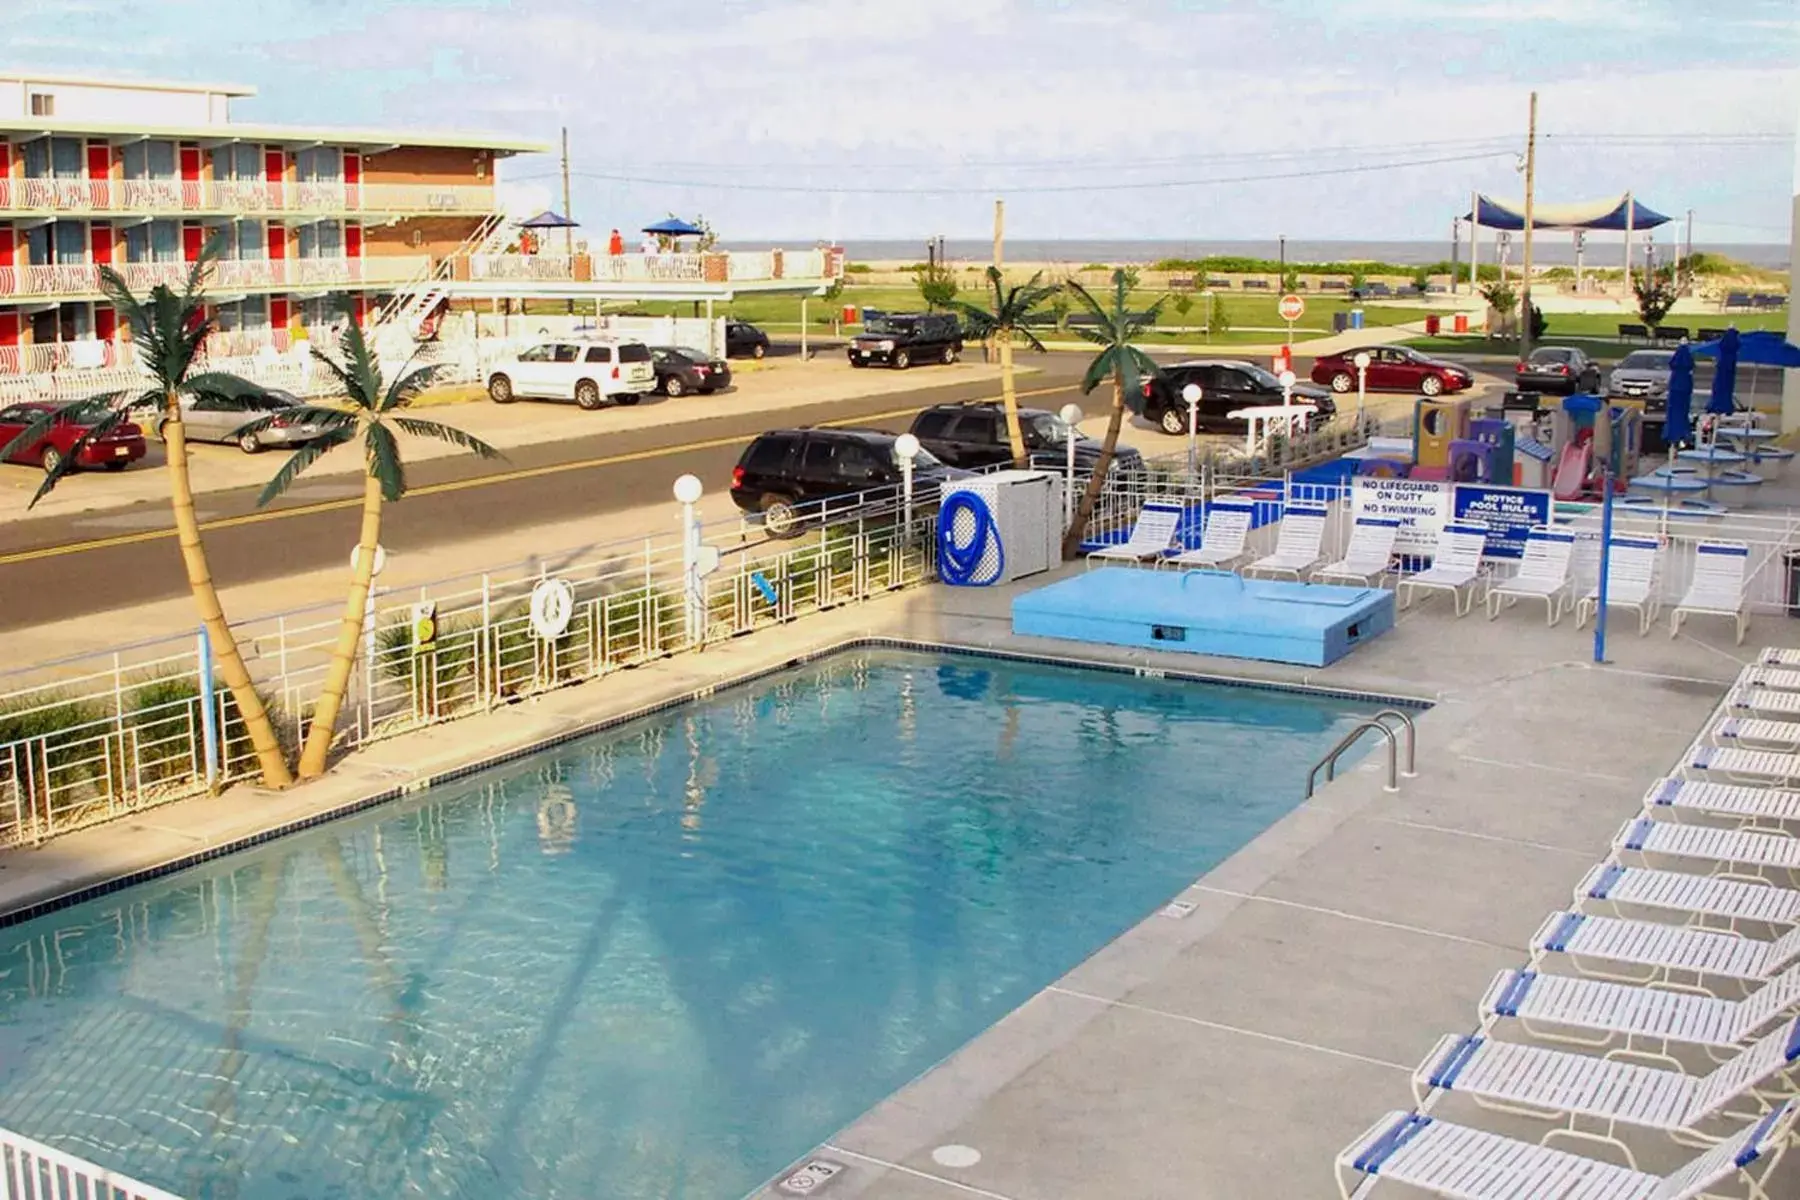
(115, 451)
(1391, 369)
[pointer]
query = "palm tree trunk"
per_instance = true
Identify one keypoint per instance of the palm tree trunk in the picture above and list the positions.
(206, 598)
(1072, 539)
(343, 656)
(1009, 394)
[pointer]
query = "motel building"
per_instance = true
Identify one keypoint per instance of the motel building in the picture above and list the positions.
(403, 228)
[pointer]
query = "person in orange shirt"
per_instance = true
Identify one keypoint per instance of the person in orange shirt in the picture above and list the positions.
(616, 245)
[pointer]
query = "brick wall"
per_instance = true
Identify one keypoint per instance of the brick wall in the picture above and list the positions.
(438, 236)
(430, 164)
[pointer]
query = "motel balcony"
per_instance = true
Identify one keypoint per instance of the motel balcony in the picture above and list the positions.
(81, 281)
(767, 267)
(159, 197)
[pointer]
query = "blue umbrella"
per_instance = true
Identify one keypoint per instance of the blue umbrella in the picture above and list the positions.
(1679, 426)
(1725, 374)
(675, 227)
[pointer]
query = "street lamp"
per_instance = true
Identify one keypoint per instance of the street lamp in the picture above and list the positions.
(907, 447)
(1288, 379)
(1191, 393)
(1071, 416)
(1362, 383)
(688, 490)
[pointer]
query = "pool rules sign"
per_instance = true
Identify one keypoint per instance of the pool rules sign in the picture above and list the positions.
(1423, 505)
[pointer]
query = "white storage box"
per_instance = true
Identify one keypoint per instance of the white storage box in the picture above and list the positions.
(1027, 508)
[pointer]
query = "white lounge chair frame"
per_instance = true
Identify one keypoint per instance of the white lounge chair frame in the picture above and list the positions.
(1698, 900)
(1756, 733)
(1753, 698)
(1152, 534)
(1745, 854)
(1297, 543)
(1720, 571)
(1633, 576)
(1676, 957)
(1455, 565)
(1370, 554)
(1764, 767)
(1464, 1163)
(1775, 810)
(1221, 537)
(1543, 575)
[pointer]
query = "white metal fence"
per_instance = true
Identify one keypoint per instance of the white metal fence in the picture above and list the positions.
(30, 1170)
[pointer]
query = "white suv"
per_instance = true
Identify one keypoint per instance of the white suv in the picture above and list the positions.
(588, 371)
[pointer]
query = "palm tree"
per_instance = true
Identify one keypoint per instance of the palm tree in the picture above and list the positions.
(168, 329)
(371, 412)
(1016, 312)
(1113, 329)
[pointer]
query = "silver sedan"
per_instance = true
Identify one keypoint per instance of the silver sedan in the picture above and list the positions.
(215, 419)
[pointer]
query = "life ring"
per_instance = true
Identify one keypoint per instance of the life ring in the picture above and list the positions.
(552, 607)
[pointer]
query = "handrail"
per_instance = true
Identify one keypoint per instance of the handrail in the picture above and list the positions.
(1377, 723)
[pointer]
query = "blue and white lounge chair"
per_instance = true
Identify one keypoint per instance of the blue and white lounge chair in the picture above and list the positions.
(1543, 575)
(1773, 657)
(1370, 554)
(1780, 679)
(1297, 544)
(1750, 698)
(1221, 539)
(1455, 565)
(1741, 853)
(1457, 1161)
(1152, 534)
(1646, 952)
(1691, 799)
(1721, 572)
(1693, 899)
(1572, 1088)
(1633, 580)
(1743, 766)
(1754, 733)
(1649, 1019)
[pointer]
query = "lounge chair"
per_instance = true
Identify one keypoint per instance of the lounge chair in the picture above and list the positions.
(1455, 565)
(1673, 955)
(1694, 899)
(1747, 806)
(1631, 582)
(1736, 853)
(1151, 536)
(1543, 575)
(1752, 733)
(1297, 545)
(1743, 766)
(1558, 1084)
(1780, 679)
(1369, 555)
(1548, 1006)
(1221, 539)
(1773, 657)
(1442, 1159)
(1718, 587)
(1763, 700)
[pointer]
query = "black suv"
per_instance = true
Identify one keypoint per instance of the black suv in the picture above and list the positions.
(1225, 385)
(973, 434)
(787, 468)
(902, 339)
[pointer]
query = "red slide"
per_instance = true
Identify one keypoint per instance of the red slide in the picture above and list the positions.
(1572, 471)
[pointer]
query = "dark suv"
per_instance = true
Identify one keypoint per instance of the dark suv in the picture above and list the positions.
(973, 434)
(1225, 385)
(787, 468)
(902, 339)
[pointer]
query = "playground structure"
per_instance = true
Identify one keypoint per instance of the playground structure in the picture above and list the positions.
(1450, 443)
(1582, 443)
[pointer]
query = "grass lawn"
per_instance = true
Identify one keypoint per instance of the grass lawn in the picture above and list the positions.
(1597, 333)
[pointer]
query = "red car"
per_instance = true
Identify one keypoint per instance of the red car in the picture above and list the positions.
(117, 450)
(1391, 369)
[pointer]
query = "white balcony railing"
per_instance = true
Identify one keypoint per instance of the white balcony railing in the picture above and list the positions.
(85, 196)
(651, 268)
(532, 267)
(751, 264)
(78, 280)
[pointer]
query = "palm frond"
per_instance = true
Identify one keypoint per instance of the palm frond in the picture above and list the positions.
(977, 321)
(385, 466)
(358, 391)
(1030, 338)
(414, 427)
(407, 388)
(299, 460)
(1098, 371)
(221, 385)
(99, 429)
(329, 420)
(1086, 299)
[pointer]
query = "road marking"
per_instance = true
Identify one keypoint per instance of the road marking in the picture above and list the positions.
(454, 485)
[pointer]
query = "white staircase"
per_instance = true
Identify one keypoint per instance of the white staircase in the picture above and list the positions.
(414, 302)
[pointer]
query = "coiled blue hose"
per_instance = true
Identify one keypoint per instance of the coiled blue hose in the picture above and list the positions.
(957, 564)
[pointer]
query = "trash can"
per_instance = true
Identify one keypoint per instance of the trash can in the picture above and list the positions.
(1790, 581)
(1431, 325)
(849, 314)
(1340, 321)
(1356, 318)
(1460, 323)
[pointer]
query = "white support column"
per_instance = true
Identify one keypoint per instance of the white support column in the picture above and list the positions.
(1474, 241)
(712, 336)
(803, 299)
(1630, 216)
(1790, 383)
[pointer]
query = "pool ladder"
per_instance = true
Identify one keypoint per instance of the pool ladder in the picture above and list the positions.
(1379, 723)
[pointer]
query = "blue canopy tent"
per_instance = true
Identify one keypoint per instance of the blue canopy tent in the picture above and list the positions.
(1616, 214)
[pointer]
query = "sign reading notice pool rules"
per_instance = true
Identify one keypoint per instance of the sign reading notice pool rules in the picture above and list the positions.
(1423, 505)
(1508, 513)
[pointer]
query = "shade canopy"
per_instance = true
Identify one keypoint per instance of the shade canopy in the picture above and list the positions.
(675, 227)
(1724, 380)
(1678, 423)
(1607, 214)
(1760, 347)
(548, 220)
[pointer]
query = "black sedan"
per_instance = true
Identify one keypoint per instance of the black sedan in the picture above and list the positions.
(680, 370)
(744, 340)
(1561, 369)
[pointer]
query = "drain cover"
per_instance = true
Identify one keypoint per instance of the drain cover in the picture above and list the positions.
(1177, 909)
(810, 1178)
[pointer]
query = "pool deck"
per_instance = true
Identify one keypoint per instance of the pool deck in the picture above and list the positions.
(1232, 1051)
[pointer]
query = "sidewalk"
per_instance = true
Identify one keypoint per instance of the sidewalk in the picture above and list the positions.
(768, 386)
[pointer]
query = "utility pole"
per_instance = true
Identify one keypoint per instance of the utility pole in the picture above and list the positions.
(999, 230)
(1455, 250)
(1530, 184)
(568, 230)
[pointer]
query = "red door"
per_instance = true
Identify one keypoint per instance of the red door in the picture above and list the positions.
(106, 322)
(359, 308)
(5, 174)
(277, 240)
(193, 240)
(99, 169)
(190, 176)
(353, 243)
(274, 171)
(100, 241)
(278, 317)
(6, 245)
(352, 180)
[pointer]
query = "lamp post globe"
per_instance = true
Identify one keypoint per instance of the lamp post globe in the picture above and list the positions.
(688, 489)
(1361, 360)
(1071, 414)
(906, 446)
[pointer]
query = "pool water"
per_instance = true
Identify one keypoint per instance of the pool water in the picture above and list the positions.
(663, 961)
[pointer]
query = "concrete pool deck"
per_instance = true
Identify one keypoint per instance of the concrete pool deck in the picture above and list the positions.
(1231, 1051)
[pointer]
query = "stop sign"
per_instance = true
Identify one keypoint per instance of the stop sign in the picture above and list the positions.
(1291, 307)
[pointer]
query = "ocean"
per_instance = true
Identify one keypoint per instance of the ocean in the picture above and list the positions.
(1548, 248)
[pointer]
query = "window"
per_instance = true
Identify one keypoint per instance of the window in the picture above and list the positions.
(535, 354)
(321, 164)
(43, 104)
(71, 242)
(18, 415)
(599, 354)
(565, 353)
(934, 424)
(238, 163)
(53, 158)
(978, 427)
(149, 159)
(819, 456)
(322, 239)
(859, 464)
(769, 454)
(634, 352)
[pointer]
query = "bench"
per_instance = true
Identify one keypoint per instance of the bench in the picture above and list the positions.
(1671, 333)
(1380, 289)
(1709, 335)
(1218, 281)
(1768, 300)
(1632, 333)
(1334, 285)
(1737, 300)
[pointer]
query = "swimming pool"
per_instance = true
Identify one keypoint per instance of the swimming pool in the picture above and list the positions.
(662, 961)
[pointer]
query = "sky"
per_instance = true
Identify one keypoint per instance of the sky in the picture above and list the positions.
(1183, 119)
